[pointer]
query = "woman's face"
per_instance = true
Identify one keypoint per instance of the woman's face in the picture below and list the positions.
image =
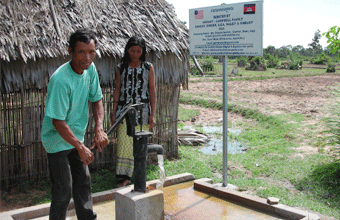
(135, 52)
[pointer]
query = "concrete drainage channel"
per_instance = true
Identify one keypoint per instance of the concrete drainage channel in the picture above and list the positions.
(201, 186)
(253, 202)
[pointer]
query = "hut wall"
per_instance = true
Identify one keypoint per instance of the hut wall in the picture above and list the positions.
(22, 156)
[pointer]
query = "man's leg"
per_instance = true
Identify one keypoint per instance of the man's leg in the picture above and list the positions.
(61, 180)
(81, 187)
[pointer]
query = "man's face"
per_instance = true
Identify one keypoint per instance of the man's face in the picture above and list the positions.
(82, 56)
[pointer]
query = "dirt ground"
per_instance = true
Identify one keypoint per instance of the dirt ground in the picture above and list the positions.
(305, 95)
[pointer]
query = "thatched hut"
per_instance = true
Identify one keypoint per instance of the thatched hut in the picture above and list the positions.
(33, 43)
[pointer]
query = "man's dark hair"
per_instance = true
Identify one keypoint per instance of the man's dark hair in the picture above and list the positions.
(134, 41)
(83, 35)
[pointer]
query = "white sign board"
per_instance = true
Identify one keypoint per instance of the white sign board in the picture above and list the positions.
(227, 30)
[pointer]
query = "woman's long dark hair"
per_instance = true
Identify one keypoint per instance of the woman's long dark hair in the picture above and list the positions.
(134, 41)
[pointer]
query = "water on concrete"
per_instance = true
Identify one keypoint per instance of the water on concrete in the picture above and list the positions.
(181, 201)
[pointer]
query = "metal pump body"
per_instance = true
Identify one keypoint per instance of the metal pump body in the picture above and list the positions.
(141, 148)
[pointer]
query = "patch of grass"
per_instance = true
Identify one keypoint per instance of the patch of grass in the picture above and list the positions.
(32, 194)
(186, 114)
(322, 183)
(190, 160)
(103, 180)
(187, 98)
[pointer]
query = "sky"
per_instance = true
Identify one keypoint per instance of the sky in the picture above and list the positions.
(285, 22)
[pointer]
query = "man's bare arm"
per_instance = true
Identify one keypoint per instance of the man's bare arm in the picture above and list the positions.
(66, 133)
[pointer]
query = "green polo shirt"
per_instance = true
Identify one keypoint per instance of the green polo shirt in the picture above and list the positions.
(67, 99)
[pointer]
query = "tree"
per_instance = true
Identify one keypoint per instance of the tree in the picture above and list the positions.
(270, 50)
(284, 51)
(328, 52)
(317, 48)
(299, 49)
(333, 39)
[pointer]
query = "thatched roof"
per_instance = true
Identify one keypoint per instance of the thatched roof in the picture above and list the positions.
(32, 29)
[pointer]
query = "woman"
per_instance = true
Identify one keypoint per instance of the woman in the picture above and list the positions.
(135, 83)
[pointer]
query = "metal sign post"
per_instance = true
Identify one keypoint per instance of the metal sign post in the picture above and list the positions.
(227, 30)
(225, 119)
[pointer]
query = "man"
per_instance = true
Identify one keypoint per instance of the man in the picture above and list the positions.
(66, 117)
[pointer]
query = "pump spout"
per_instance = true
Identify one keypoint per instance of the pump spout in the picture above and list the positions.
(155, 148)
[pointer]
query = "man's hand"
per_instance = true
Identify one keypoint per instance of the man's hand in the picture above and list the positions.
(85, 155)
(100, 140)
(66, 133)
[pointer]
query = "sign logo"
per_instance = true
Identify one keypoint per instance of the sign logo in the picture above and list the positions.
(249, 9)
(198, 14)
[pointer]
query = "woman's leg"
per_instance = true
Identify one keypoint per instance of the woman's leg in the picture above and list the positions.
(124, 163)
(125, 159)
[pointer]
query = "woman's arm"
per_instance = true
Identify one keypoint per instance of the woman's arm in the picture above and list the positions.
(152, 91)
(100, 137)
(116, 97)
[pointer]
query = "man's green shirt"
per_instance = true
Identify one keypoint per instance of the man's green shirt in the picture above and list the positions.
(67, 99)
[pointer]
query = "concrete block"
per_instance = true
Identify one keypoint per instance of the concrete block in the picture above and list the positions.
(272, 200)
(139, 206)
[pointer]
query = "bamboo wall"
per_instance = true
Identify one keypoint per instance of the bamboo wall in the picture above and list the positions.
(22, 156)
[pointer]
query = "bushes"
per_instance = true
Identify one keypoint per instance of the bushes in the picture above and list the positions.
(241, 62)
(207, 64)
(194, 70)
(211, 65)
(291, 65)
(330, 68)
(256, 63)
(295, 65)
(321, 59)
(273, 61)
